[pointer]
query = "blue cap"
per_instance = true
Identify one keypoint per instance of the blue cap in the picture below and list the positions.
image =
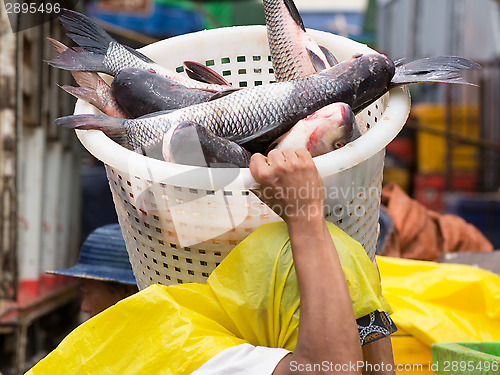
(103, 256)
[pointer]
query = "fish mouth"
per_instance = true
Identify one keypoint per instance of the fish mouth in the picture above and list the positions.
(349, 119)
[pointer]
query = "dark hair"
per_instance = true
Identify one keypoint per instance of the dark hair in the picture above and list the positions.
(123, 290)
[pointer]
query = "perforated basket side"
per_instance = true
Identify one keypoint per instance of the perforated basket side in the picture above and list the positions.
(179, 222)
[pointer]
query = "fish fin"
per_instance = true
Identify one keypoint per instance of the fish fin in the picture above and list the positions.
(223, 93)
(317, 62)
(332, 60)
(113, 127)
(440, 69)
(203, 73)
(87, 34)
(88, 82)
(399, 62)
(83, 93)
(58, 46)
(88, 79)
(80, 59)
(294, 13)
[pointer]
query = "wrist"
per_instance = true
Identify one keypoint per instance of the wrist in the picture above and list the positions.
(310, 224)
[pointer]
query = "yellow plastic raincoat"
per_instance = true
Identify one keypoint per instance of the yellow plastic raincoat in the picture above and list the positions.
(251, 297)
(438, 302)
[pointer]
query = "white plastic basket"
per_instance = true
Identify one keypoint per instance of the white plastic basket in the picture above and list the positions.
(179, 221)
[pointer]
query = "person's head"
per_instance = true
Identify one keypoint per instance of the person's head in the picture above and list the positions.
(104, 270)
(98, 295)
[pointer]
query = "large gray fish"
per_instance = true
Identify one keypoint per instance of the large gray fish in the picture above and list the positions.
(99, 52)
(327, 129)
(294, 54)
(256, 116)
(141, 92)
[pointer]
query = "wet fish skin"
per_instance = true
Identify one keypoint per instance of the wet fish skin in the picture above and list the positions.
(294, 53)
(93, 89)
(256, 116)
(327, 129)
(192, 144)
(99, 52)
(141, 92)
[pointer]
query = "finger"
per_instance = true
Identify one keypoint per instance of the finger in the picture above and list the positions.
(257, 162)
(302, 153)
(290, 155)
(275, 157)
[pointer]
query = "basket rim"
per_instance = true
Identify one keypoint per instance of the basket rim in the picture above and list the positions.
(118, 157)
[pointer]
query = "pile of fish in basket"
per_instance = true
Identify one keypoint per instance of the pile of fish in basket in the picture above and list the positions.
(176, 124)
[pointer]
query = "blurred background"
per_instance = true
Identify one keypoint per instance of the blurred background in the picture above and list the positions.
(53, 193)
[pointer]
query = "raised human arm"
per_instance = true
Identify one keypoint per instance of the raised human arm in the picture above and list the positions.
(328, 338)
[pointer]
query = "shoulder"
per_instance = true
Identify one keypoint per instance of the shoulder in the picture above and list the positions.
(243, 359)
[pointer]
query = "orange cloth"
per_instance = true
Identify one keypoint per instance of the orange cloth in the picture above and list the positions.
(422, 234)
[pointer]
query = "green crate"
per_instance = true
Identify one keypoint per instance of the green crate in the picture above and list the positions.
(470, 358)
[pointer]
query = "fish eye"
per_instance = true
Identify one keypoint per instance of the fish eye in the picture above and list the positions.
(339, 144)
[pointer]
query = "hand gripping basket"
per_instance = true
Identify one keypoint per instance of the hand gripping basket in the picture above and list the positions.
(179, 222)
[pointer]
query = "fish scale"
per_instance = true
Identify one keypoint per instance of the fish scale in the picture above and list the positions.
(255, 117)
(118, 56)
(289, 44)
(245, 113)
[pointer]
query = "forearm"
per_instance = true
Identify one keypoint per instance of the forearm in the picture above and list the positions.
(327, 328)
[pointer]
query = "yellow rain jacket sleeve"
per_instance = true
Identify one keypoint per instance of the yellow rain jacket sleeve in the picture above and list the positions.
(251, 297)
(438, 302)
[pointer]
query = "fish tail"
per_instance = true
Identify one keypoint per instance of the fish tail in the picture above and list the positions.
(85, 32)
(90, 36)
(440, 69)
(89, 80)
(83, 93)
(82, 60)
(113, 127)
(58, 46)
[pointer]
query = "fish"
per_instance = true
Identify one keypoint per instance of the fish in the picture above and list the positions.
(294, 54)
(141, 92)
(99, 52)
(327, 129)
(93, 89)
(256, 116)
(192, 144)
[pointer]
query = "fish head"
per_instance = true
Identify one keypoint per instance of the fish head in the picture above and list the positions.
(178, 139)
(332, 128)
(368, 76)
